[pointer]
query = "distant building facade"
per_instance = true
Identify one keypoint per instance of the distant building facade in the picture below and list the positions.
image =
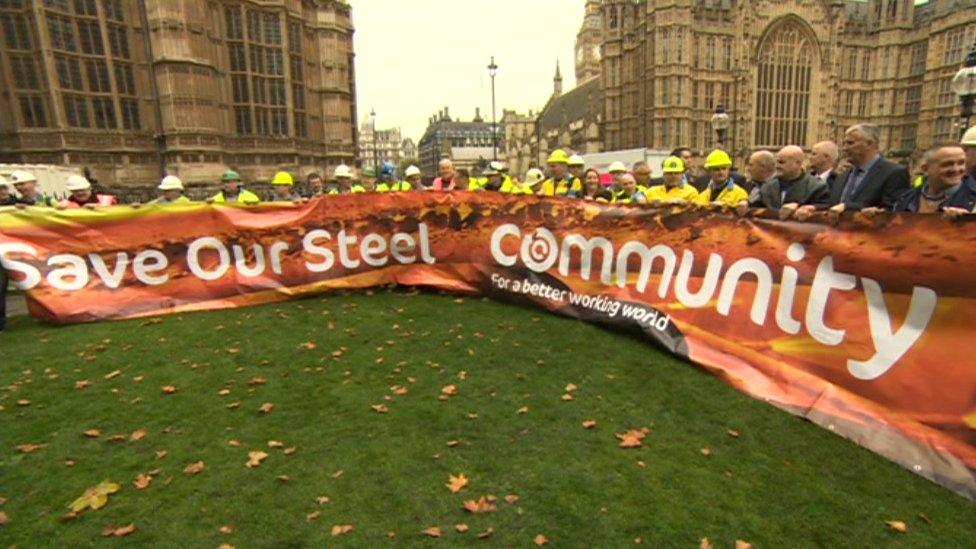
(388, 146)
(132, 89)
(468, 144)
(589, 43)
(788, 72)
(409, 148)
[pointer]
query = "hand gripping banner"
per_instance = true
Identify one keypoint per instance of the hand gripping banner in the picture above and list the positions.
(862, 328)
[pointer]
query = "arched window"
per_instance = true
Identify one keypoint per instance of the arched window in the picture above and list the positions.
(783, 87)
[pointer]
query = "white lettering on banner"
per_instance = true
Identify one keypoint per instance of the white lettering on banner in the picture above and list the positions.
(209, 258)
(541, 250)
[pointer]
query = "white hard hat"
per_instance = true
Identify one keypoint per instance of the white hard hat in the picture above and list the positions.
(969, 138)
(171, 183)
(343, 171)
(497, 166)
(533, 177)
(21, 176)
(617, 166)
(576, 160)
(77, 182)
(412, 171)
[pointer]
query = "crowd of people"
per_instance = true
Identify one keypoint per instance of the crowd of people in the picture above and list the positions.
(788, 181)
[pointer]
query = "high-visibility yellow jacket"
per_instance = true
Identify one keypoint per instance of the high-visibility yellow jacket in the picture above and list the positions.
(731, 195)
(401, 186)
(562, 187)
(243, 197)
(662, 192)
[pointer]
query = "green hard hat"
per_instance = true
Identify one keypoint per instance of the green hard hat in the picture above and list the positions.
(230, 175)
(369, 172)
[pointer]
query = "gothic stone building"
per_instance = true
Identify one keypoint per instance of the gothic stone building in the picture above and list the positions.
(788, 72)
(132, 89)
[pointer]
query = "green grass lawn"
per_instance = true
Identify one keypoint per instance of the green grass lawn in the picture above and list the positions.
(324, 362)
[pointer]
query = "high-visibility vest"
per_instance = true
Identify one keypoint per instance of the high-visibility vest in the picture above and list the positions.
(564, 186)
(401, 186)
(178, 200)
(730, 195)
(100, 200)
(243, 197)
(662, 192)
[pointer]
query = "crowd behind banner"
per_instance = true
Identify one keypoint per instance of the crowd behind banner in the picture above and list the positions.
(789, 181)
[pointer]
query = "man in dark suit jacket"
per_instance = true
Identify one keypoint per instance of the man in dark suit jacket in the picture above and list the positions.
(871, 180)
(792, 187)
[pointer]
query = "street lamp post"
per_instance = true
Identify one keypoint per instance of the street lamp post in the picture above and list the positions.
(376, 152)
(964, 86)
(492, 71)
(720, 123)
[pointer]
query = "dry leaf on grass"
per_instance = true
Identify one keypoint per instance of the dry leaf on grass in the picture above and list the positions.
(705, 544)
(380, 408)
(227, 529)
(4, 519)
(733, 433)
(706, 452)
(633, 438)
(522, 410)
(117, 531)
(541, 540)
(589, 424)
(169, 389)
(433, 531)
(456, 483)
(570, 387)
(23, 402)
(194, 468)
(266, 408)
(142, 481)
(138, 434)
(95, 497)
(897, 525)
(313, 515)
(233, 443)
(739, 544)
(567, 397)
(341, 529)
(449, 390)
(255, 458)
(322, 500)
(482, 505)
(511, 499)
(113, 373)
(275, 444)
(487, 533)
(92, 433)
(462, 528)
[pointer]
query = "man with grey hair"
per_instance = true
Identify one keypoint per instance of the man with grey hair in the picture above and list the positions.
(762, 170)
(823, 161)
(871, 181)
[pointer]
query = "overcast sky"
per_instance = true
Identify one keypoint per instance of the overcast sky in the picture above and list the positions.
(415, 57)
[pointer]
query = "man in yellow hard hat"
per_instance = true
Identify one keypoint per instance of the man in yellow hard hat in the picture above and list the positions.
(721, 189)
(283, 185)
(676, 188)
(560, 182)
(232, 191)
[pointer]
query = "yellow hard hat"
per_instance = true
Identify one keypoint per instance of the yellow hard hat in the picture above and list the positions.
(558, 156)
(718, 159)
(673, 164)
(969, 138)
(283, 178)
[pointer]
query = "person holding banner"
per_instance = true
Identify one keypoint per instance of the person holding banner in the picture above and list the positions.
(721, 189)
(82, 195)
(172, 188)
(344, 179)
(561, 181)
(232, 191)
(6, 197)
(282, 184)
(592, 188)
(793, 187)
(532, 178)
(445, 180)
(314, 186)
(30, 195)
(676, 189)
(944, 167)
(629, 193)
(387, 177)
(411, 180)
(576, 166)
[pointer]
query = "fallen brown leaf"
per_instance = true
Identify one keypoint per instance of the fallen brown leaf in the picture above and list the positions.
(92, 433)
(234, 443)
(522, 410)
(28, 448)
(449, 390)
(486, 534)
(313, 515)
(632, 438)
(283, 478)
(169, 389)
(456, 483)
(275, 444)
(739, 544)
(733, 433)
(255, 458)
(322, 500)
(567, 397)
(341, 529)
(897, 526)
(4, 519)
(482, 505)
(380, 408)
(82, 383)
(142, 481)
(118, 531)
(227, 529)
(113, 374)
(511, 499)
(462, 528)
(589, 424)
(266, 408)
(541, 540)
(433, 531)
(257, 380)
(194, 468)
(338, 474)
(452, 443)
(23, 402)
(290, 450)
(705, 544)
(570, 387)
(138, 435)
(706, 452)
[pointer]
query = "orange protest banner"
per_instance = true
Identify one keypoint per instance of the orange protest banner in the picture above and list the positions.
(855, 327)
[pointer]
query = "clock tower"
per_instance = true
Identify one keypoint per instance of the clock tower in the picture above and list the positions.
(588, 42)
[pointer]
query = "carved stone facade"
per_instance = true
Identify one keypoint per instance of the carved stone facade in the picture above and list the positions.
(788, 72)
(588, 43)
(131, 89)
